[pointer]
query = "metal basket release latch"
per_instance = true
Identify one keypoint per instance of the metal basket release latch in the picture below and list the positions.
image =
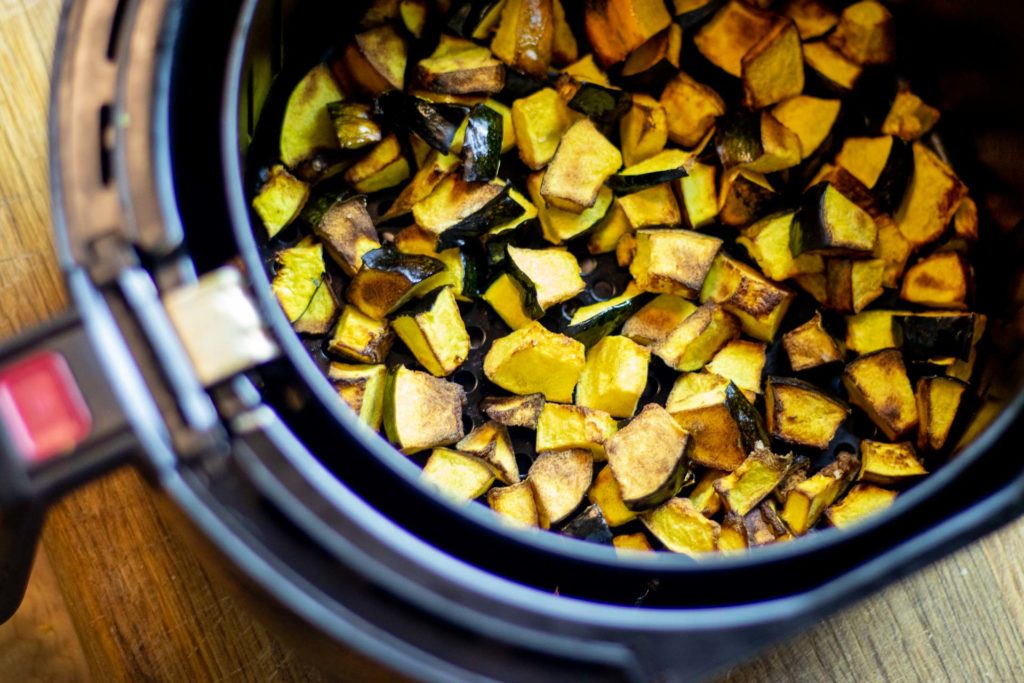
(219, 326)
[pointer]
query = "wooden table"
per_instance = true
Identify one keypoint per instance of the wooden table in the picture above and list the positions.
(115, 596)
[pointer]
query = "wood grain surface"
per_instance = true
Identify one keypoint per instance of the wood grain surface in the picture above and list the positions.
(115, 596)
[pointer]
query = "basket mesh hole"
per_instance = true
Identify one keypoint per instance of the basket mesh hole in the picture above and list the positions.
(467, 380)
(477, 337)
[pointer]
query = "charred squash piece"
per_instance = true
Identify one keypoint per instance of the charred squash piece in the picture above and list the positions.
(657, 319)
(590, 525)
(888, 463)
(865, 34)
(763, 525)
(910, 118)
(733, 534)
(654, 207)
(853, 285)
(600, 103)
(422, 411)
(604, 492)
(533, 360)
(810, 118)
(808, 500)
(829, 224)
(893, 249)
(809, 346)
(525, 36)
(698, 194)
(878, 384)
(491, 443)
(759, 304)
(767, 241)
(476, 19)
(461, 67)
(813, 18)
(835, 70)
(731, 34)
(584, 161)
(704, 496)
(697, 339)
(647, 458)
(691, 109)
(745, 196)
(385, 166)
(863, 501)
(482, 145)
(797, 475)
(871, 331)
(590, 324)
(458, 476)
(376, 60)
(617, 27)
(347, 233)
(360, 337)
(585, 69)
(643, 130)
(938, 403)
(388, 279)
(673, 261)
(631, 543)
(548, 277)
(883, 164)
(773, 68)
(302, 289)
(715, 434)
(753, 480)
(682, 528)
(361, 387)
(562, 427)
(306, 130)
(437, 125)
(560, 226)
(564, 48)
(802, 414)
(937, 281)
(354, 124)
(560, 481)
(515, 504)
(433, 331)
(514, 411)
(280, 200)
(931, 199)
(458, 210)
(540, 121)
(965, 220)
(435, 168)
(656, 61)
(742, 363)
(938, 337)
(614, 377)
(659, 169)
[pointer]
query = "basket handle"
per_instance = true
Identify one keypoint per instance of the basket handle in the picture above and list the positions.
(60, 426)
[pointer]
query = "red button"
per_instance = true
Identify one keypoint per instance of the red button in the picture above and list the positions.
(42, 407)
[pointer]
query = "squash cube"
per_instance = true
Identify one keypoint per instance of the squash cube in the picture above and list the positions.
(533, 360)
(614, 377)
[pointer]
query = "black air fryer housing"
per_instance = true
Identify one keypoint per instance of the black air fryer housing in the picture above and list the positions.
(155, 106)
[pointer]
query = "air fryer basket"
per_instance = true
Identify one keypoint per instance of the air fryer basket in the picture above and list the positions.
(329, 526)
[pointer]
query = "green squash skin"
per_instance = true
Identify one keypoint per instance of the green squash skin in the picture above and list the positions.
(482, 145)
(502, 209)
(628, 184)
(895, 176)
(738, 139)
(595, 328)
(747, 418)
(605, 105)
(928, 338)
